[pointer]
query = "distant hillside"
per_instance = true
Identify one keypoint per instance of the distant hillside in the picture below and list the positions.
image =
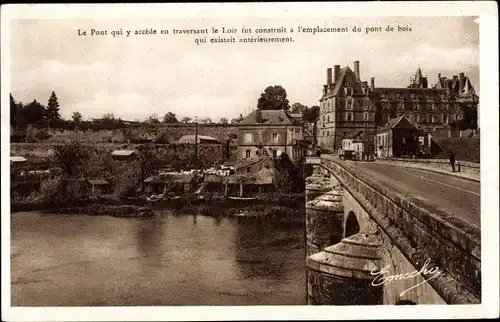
(169, 132)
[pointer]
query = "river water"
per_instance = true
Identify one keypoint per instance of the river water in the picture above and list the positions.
(69, 260)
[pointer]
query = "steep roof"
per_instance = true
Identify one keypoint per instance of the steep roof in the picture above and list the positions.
(191, 138)
(98, 182)
(395, 93)
(392, 123)
(270, 117)
(123, 152)
(18, 159)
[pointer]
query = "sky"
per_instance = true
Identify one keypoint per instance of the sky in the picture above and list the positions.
(137, 76)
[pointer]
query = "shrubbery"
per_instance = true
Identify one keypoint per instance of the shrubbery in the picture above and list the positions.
(60, 191)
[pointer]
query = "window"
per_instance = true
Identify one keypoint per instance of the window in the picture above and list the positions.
(366, 116)
(432, 118)
(248, 169)
(248, 137)
(416, 106)
(367, 105)
(274, 153)
(348, 116)
(418, 118)
(247, 153)
(349, 91)
(433, 106)
(401, 106)
(328, 118)
(445, 118)
(349, 104)
(366, 125)
(275, 137)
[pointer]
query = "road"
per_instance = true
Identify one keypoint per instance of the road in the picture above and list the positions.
(459, 196)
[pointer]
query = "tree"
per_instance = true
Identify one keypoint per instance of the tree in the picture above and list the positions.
(170, 118)
(223, 120)
(186, 119)
(52, 112)
(33, 113)
(298, 108)
(153, 119)
(206, 120)
(148, 162)
(237, 119)
(14, 112)
(311, 113)
(77, 117)
(72, 157)
(273, 98)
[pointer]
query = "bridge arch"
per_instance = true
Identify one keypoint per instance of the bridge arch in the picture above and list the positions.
(351, 225)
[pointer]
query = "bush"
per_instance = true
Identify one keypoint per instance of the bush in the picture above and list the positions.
(35, 135)
(57, 191)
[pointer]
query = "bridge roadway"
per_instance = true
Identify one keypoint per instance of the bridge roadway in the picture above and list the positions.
(458, 196)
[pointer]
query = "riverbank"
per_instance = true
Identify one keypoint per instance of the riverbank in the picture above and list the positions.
(286, 207)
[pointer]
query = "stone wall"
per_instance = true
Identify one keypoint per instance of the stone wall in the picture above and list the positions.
(471, 168)
(418, 233)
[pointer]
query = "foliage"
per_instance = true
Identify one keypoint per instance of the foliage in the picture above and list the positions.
(223, 120)
(186, 119)
(288, 177)
(273, 98)
(170, 118)
(148, 162)
(206, 120)
(77, 117)
(52, 112)
(153, 119)
(72, 157)
(34, 135)
(162, 138)
(298, 108)
(237, 120)
(124, 185)
(33, 113)
(311, 113)
(60, 191)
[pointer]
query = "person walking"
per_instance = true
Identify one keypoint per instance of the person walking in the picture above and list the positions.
(452, 160)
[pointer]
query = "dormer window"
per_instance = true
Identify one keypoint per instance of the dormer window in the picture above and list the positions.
(349, 91)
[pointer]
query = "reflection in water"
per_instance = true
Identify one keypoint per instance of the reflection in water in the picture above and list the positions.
(166, 260)
(254, 235)
(149, 237)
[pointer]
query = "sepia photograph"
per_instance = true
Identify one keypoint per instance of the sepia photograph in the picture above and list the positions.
(199, 158)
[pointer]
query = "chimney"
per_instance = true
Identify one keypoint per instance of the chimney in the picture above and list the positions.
(372, 82)
(336, 73)
(356, 69)
(455, 77)
(328, 76)
(365, 87)
(461, 82)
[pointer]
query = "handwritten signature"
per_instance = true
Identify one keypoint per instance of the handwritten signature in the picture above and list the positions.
(382, 278)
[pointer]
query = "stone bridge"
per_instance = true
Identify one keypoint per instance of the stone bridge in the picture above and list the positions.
(383, 234)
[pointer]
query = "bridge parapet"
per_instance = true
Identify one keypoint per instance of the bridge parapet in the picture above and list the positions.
(424, 235)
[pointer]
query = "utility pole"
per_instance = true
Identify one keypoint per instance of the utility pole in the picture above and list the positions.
(196, 139)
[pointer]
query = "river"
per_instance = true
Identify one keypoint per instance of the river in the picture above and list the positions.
(69, 260)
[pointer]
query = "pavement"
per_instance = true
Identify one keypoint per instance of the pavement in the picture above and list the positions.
(460, 174)
(459, 196)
